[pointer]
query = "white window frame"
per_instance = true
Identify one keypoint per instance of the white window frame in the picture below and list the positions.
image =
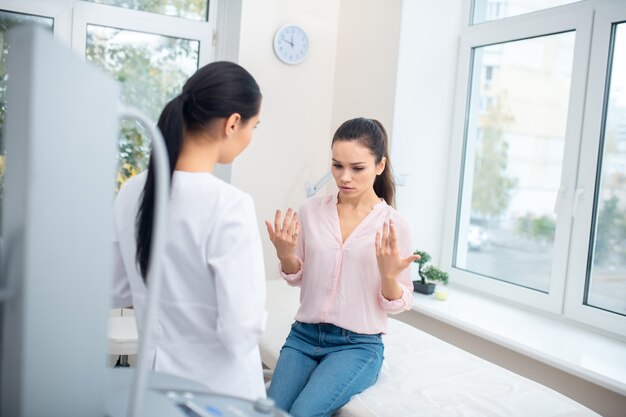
(71, 18)
(572, 233)
(86, 13)
(59, 12)
(502, 7)
(593, 127)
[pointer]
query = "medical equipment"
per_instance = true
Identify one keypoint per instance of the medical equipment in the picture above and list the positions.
(56, 259)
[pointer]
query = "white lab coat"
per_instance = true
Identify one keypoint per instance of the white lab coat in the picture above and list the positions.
(211, 310)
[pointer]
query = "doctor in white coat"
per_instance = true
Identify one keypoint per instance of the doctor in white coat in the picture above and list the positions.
(211, 310)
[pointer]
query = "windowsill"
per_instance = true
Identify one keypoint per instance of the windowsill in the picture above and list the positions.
(590, 356)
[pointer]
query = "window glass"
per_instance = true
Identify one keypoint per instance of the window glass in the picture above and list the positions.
(607, 275)
(513, 158)
(7, 21)
(152, 69)
(188, 9)
(486, 10)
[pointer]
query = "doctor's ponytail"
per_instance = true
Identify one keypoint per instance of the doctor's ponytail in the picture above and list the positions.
(215, 91)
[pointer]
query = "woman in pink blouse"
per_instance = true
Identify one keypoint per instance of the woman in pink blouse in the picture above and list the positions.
(347, 253)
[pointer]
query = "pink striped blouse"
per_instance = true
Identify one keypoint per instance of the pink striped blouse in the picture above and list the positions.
(340, 281)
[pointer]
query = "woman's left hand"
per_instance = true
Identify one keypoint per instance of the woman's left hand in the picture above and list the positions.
(390, 264)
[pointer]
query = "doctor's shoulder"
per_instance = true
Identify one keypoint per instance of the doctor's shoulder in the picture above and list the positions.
(232, 200)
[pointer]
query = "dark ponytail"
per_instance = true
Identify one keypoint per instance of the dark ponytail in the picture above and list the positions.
(371, 134)
(215, 91)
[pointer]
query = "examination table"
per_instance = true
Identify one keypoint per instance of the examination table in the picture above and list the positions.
(425, 376)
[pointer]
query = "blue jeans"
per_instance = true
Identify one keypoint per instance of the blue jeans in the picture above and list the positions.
(321, 366)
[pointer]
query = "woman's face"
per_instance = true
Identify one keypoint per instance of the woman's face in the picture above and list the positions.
(354, 168)
(240, 139)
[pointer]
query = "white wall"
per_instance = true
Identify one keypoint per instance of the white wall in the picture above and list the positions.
(350, 71)
(367, 58)
(423, 114)
(289, 147)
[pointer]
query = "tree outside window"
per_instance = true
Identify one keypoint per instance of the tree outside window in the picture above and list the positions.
(152, 70)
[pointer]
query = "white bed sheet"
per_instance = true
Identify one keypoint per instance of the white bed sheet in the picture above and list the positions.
(425, 376)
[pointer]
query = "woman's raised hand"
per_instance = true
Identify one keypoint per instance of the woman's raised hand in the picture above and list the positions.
(284, 235)
(390, 264)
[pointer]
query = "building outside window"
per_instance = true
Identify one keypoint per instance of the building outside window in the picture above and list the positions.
(537, 210)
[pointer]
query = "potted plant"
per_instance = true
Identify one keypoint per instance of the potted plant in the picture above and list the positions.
(427, 274)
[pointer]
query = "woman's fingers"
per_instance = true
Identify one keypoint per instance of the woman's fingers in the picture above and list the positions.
(377, 243)
(286, 229)
(293, 224)
(387, 240)
(411, 258)
(287, 220)
(277, 217)
(390, 263)
(381, 240)
(393, 242)
(270, 229)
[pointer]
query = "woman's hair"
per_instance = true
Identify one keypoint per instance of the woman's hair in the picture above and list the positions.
(371, 134)
(215, 91)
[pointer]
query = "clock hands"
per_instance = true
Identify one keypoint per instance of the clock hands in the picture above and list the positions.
(289, 42)
(298, 42)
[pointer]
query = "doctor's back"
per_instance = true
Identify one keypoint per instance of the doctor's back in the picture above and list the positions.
(211, 307)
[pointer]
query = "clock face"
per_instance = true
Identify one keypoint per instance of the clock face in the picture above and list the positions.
(291, 44)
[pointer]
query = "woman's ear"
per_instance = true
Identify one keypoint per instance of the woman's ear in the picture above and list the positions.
(381, 166)
(232, 124)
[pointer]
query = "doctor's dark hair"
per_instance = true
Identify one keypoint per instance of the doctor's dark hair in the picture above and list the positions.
(215, 91)
(371, 134)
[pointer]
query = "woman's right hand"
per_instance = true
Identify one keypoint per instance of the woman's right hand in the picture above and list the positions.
(284, 235)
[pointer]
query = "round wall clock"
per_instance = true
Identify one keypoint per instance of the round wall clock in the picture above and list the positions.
(291, 44)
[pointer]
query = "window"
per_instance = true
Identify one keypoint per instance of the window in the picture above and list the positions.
(486, 10)
(598, 293)
(128, 44)
(514, 154)
(607, 273)
(128, 39)
(128, 56)
(538, 197)
(189, 9)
